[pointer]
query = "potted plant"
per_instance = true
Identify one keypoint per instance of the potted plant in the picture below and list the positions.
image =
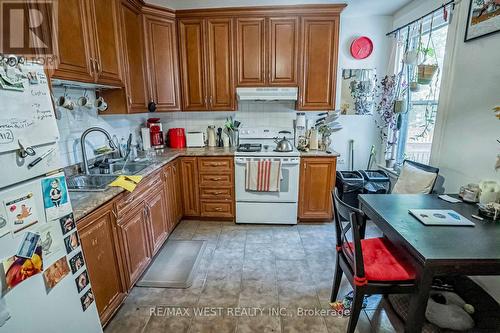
(426, 71)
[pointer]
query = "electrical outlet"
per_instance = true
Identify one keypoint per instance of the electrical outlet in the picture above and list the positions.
(340, 161)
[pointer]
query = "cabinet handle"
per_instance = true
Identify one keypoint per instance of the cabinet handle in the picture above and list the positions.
(215, 178)
(129, 200)
(114, 214)
(216, 164)
(92, 65)
(217, 209)
(217, 193)
(210, 100)
(98, 66)
(129, 100)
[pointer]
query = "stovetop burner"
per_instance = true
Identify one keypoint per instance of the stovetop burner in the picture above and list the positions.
(250, 147)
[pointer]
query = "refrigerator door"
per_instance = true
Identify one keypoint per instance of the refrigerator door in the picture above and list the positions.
(28, 126)
(44, 292)
(16, 169)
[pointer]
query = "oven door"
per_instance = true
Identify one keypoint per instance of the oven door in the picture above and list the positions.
(289, 186)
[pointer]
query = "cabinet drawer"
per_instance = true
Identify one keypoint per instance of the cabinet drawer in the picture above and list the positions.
(215, 164)
(129, 200)
(216, 180)
(212, 193)
(216, 209)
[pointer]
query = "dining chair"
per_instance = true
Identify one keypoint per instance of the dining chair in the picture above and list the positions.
(416, 178)
(372, 265)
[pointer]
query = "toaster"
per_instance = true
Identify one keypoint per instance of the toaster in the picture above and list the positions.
(195, 139)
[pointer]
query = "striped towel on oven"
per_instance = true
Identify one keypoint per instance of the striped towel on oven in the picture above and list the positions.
(263, 176)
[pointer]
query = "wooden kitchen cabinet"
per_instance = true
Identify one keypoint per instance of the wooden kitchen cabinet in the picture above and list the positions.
(220, 64)
(283, 51)
(207, 66)
(251, 51)
(172, 192)
(98, 237)
(317, 179)
(190, 188)
(177, 191)
(133, 43)
(133, 234)
(106, 37)
(89, 42)
(162, 62)
(192, 66)
(320, 38)
(267, 51)
(156, 214)
(74, 45)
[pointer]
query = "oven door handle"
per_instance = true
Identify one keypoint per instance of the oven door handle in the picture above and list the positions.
(287, 161)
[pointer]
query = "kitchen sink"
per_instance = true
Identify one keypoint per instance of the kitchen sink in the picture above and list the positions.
(89, 183)
(130, 168)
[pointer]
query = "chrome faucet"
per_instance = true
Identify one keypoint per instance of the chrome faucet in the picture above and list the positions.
(83, 144)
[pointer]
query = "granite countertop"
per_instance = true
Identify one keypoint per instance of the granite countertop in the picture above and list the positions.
(85, 203)
(319, 153)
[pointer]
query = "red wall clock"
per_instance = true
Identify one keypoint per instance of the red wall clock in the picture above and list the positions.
(361, 47)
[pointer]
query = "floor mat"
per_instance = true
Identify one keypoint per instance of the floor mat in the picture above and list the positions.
(175, 265)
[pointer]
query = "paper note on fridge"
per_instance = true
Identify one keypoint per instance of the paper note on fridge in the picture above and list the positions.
(27, 115)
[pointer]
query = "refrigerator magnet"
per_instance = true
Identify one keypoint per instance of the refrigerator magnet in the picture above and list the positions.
(82, 281)
(71, 242)
(21, 212)
(76, 262)
(67, 223)
(50, 238)
(55, 273)
(87, 299)
(55, 197)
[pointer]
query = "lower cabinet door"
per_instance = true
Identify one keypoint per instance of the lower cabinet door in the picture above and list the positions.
(156, 209)
(99, 243)
(134, 236)
(317, 179)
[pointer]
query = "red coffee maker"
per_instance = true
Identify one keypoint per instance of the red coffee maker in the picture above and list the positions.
(156, 133)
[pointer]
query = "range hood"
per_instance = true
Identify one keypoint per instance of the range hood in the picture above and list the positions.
(267, 94)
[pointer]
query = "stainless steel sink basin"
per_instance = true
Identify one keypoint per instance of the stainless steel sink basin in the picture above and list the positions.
(130, 168)
(89, 183)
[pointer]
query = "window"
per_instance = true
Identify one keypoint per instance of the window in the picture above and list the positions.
(417, 128)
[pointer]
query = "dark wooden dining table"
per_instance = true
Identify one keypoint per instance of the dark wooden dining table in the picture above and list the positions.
(437, 250)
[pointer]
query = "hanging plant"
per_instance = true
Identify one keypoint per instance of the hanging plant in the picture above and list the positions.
(427, 71)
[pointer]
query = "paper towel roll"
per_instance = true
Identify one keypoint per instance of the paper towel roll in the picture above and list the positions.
(301, 120)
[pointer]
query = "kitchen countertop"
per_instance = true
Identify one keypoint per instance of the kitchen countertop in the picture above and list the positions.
(85, 203)
(319, 153)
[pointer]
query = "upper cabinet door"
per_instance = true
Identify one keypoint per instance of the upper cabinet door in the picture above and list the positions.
(107, 41)
(283, 51)
(161, 48)
(319, 63)
(220, 64)
(250, 49)
(132, 31)
(74, 51)
(192, 57)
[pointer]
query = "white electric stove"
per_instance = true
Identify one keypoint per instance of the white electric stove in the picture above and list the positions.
(258, 143)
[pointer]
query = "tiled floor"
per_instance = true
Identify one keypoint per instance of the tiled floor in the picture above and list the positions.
(246, 267)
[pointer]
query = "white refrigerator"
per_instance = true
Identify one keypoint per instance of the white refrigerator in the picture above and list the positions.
(44, 284)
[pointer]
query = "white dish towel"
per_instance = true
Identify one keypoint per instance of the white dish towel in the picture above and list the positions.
(263, 176)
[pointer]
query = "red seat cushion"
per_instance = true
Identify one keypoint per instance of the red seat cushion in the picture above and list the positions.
(383, 262)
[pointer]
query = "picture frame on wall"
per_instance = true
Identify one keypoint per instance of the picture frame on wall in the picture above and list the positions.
(483, 19)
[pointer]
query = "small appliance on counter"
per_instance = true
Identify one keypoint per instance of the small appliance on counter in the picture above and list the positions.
(211, 136)
(177, 138)
(156, 133)
(195, 139)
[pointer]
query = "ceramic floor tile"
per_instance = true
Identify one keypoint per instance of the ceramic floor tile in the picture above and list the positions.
(254, 266)
(293, 270)
(130, 318)
(297, 294)
(213, 324)
(261, 294)
(259, 324)
(303, 324)
(162, 324)
(220, 293)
